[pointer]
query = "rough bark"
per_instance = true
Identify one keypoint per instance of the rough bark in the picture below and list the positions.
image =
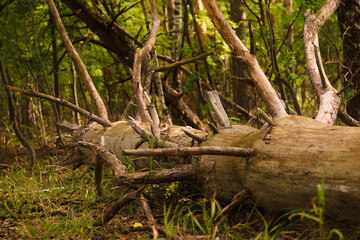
(113, 36)
(297, 154)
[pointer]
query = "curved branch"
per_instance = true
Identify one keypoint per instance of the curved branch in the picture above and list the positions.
(63, 102)
(80, 67)
(268, 93)
(329, 99)
(139, 56)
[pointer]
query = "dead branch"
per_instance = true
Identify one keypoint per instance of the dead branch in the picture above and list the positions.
(80, 67)
(156, 75)
(329, 100)
(63, 102)
(193, 135)
(236, 201)
(149, 216)
(139, 56)
(268, 93)
(179, 63)
(219, 109)
(170, 60)
(183, 173)
(115, 207)
(266, 117)
(155, 124)
(107, 156)
(68, 127)
(213, 127)
(347, 119)
(147, 136)
(192, 151)
(13, 115)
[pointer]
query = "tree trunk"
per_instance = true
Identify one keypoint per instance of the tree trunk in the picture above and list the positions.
(286, 170)
(241, 88)
(348, 14)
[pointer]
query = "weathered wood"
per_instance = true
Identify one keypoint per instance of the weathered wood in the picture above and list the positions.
(149, 216)
(266, 117)
(327, 94)
(192, 151)
(108, 157)
(268, 93)
(147, 136)
(219, 109)
(284, 174)
(200, 139)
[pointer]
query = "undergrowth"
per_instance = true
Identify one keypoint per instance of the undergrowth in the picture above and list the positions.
(53, 202)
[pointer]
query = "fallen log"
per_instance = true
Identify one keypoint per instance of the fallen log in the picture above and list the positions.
(297, 154)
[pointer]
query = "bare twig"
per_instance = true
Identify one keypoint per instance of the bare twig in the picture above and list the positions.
(115, 207)
(179, 63)
(63, 102)
(213, 127)
(237, 200)
(219, 109)
(107, 156)
(149, 216)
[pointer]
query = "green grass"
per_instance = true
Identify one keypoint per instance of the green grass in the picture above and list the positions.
(53, 202)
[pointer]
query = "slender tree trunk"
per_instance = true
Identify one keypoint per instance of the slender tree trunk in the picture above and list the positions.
(74, 93)
(349, 15)
(13, 116)
(239, 74)
(156, 74)
(55, 67)
(175, 8)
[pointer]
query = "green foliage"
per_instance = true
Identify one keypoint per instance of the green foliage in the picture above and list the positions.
(190, 82)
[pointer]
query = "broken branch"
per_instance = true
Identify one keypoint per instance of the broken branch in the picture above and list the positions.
(63, 102)
(179, 63)
(107, 156)
(115, 207)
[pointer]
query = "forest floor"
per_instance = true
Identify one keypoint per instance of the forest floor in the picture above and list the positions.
(54, 202)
